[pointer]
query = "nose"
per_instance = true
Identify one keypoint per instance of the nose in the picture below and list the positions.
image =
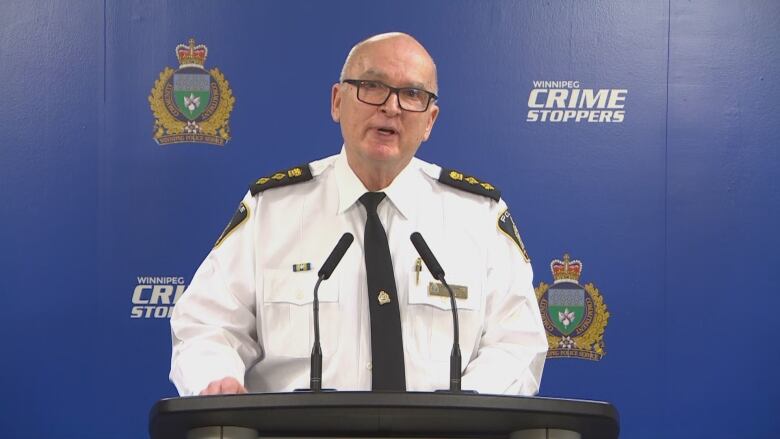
(392, 105)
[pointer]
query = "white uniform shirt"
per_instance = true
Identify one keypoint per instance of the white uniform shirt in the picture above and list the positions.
(248, 315)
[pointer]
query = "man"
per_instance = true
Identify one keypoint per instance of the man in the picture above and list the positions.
(245, 322)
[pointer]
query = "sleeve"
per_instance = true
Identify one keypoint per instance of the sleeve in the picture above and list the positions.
(513, 345)
(213, 327)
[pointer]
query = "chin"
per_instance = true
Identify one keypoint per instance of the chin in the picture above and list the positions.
(383, 152)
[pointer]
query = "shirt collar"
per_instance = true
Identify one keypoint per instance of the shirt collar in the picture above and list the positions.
(404, 190)
(401, 191)
(349, 185)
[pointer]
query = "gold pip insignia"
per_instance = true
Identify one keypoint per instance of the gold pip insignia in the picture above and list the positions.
(297, 174)
(438, 289)
(574, 316)
(238, 218)
(468, 183)
(507, 225)
(191, 104)
(383, 298)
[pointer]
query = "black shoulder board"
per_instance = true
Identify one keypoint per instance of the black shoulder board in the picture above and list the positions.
(287, 177)
(468, 183)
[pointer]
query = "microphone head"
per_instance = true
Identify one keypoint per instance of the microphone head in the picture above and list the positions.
(427, 256)
(335, 256)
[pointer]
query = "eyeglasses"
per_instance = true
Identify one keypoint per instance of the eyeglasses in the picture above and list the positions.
(376, 93)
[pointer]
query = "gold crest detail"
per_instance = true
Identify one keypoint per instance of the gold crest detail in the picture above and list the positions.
(584, 339)
(210, 102)
(383, 298)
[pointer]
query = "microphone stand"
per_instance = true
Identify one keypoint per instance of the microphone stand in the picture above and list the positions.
(455, 359)
(315, 380)
(315, 383)
(438, 273)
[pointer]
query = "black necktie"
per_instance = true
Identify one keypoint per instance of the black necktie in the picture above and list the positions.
(387, 349)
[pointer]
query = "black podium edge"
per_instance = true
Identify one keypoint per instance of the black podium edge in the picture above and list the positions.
(603, 411)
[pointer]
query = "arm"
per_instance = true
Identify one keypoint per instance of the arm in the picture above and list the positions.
(213, 324)
(513, 346)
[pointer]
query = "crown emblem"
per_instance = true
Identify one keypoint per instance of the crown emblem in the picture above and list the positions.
(191, 55)
(566, 270)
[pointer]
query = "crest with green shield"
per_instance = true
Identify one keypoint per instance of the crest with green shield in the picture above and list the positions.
(574, 315)
(191, 91)
(566, 306)
(191, 104)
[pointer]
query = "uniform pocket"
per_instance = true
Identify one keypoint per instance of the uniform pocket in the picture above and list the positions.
(431, 317)
(287, 320)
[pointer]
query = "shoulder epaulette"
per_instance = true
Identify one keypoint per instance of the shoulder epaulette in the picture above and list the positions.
(286, 177)
(468, 183)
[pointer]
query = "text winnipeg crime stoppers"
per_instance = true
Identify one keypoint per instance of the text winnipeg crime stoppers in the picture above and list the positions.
(565, 101)
(154, 296)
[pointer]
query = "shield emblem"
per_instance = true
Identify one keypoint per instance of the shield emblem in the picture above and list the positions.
(566, 306)
(191, 92)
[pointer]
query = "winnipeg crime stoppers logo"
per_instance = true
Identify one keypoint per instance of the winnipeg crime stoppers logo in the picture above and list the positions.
(574, 316)
(154, 296)
(565, 101)
(191, 104)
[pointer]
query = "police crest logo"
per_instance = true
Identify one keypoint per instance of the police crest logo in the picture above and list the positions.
(574, 316)
(191, 104)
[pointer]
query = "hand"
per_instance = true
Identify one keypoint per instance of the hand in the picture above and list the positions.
(226, 385)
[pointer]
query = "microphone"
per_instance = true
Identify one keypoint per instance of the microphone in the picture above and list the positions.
(315, 382)
(438, 273)
(335, 256)
(427, 256)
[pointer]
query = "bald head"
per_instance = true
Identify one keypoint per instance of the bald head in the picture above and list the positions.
(381, 138)
(398, 42)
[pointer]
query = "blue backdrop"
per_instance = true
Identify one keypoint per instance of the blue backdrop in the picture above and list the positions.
(673, 210)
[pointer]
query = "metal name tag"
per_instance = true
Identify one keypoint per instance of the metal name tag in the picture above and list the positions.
(437, 289)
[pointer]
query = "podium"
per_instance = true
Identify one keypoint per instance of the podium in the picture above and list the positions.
(381, 415)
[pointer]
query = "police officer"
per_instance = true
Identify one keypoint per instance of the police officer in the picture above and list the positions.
(245, 322)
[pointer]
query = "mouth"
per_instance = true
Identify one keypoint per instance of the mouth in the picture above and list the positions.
(386, 131)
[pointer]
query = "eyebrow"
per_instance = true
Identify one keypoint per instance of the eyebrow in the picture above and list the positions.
(372, 73)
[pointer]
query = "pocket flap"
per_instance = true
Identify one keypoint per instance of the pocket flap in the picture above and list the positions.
(282, 286)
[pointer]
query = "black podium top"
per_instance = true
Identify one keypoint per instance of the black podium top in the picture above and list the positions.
(386, 414)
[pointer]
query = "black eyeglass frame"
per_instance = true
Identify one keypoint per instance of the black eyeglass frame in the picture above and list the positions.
(392, 90)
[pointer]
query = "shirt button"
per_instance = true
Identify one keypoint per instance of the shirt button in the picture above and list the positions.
(369, 366)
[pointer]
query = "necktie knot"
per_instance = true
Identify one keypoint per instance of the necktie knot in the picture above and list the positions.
(371, 200)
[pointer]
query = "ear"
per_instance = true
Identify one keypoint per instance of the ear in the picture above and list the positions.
(431, 120)
(335, 103)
